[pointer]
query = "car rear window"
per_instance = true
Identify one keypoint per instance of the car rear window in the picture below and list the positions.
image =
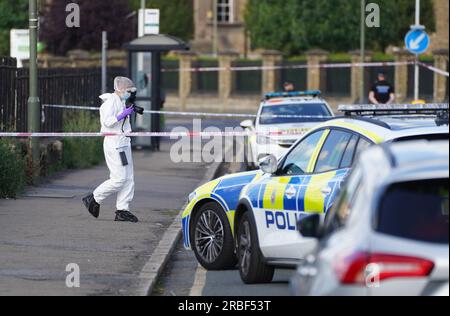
(416, 210)
(429, 137)
(314, 112)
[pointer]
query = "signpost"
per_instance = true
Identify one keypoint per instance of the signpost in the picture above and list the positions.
(34, 106)
(417, 42)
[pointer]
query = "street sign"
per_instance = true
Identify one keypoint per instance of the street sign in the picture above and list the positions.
(20, 45)
(417, 41)
(149, 22)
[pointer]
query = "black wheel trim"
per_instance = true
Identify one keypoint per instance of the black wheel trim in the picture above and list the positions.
(245, 247)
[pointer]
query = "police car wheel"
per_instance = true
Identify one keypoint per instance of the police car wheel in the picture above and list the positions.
(252, 268)
(213, 239)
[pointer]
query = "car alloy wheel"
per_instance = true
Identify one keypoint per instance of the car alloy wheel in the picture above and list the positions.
(209, 236)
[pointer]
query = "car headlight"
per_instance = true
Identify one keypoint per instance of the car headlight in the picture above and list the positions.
(192, 196)
(264, 140)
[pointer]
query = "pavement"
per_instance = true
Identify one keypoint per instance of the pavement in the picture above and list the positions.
(48, 228)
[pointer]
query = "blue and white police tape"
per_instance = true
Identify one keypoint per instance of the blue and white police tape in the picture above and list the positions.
(190, 134)
(192, 114)
(299, 66)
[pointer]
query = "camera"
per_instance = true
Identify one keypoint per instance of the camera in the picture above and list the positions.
(131, 103)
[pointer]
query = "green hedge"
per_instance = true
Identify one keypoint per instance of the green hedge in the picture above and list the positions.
(79, 153)
(12, 169)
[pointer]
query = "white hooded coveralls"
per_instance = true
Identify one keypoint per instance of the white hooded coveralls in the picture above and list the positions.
(121, 177)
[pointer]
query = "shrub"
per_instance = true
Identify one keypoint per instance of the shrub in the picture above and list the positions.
(79, 153)
(12, 169)
(294, 26)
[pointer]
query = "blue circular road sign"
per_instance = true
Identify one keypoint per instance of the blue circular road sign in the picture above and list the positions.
(417, 41)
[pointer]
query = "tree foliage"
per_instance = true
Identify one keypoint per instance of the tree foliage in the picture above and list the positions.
(177, 16)
(13, 15)
(112, 16)
(293, 26)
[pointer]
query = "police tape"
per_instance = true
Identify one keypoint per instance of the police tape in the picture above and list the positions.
(434, 69)
(194, 114)
(300, 66)
(172, 135)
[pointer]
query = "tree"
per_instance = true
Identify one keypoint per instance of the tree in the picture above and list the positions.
(13, 14)
(294, 26)
(177, 16)
(112, 16)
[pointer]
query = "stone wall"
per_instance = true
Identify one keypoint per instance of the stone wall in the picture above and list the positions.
(81, 59)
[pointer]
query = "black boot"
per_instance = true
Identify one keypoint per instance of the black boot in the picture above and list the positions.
(92, 206)
(125, 216)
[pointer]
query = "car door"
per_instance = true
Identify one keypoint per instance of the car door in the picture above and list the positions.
(279, 203)
(329, 168)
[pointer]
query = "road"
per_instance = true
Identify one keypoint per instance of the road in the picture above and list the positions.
(184, 277)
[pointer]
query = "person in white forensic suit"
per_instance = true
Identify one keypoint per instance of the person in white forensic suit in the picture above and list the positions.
(115, 118)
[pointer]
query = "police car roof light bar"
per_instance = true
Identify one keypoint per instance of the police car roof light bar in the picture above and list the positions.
(311, 93)
(393, 109)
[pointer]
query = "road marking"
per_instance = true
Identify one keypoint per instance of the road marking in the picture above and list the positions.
(199, 282)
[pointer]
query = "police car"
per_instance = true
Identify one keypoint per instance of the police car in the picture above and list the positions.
(251, 217)
(289, 114)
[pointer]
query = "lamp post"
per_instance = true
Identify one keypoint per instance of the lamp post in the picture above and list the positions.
(33, 98)
(416, 66)
(215, 30)
(362, 51)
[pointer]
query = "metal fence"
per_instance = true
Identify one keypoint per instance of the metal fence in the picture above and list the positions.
(296, 76)
(8, 71)
(205, 82)
(247, 82)
(74, 86)
(426, 83)
(171, 79)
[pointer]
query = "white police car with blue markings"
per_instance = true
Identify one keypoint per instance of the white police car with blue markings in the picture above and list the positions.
(287, 115)
(251, 217)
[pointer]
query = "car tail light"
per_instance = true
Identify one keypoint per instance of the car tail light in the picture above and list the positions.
(361, 267)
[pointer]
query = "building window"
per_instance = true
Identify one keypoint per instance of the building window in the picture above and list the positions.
(225, 11)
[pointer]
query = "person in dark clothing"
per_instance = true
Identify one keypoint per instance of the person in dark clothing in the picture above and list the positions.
(382, 91)
(288, 87)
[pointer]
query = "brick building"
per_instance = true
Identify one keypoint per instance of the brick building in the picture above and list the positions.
(440, 38)
(231, 28)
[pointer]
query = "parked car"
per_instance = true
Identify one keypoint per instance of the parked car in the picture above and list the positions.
(251, 217)
(389, 231)
(290, 114)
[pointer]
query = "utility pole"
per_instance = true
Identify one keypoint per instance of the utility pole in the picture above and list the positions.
(104, 61)
(362, 97)
(33, 98)
(416, 66)
(215, 29)
(143, 4)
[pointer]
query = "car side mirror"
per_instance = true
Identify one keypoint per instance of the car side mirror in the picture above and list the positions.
(311, 226)
(269, 164)
(247, 124)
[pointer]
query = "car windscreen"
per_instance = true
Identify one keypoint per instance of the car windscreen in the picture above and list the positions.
(416, 210)
(314, 112)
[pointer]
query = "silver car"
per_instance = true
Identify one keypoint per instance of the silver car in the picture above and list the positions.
(389, 232)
